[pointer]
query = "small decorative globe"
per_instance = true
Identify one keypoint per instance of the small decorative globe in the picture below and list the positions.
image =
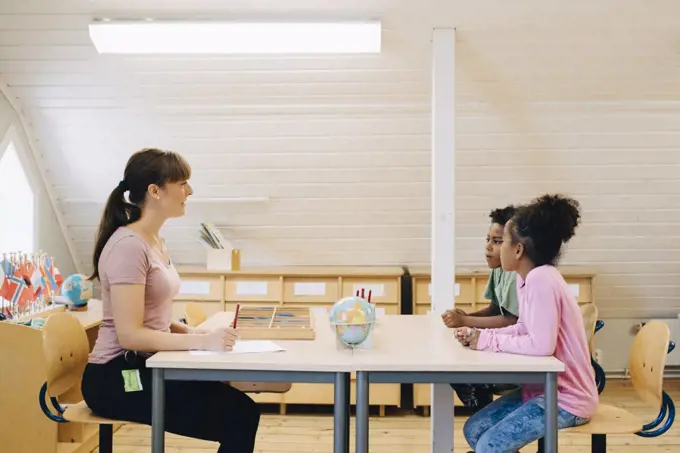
(352, 318)
(77, 289)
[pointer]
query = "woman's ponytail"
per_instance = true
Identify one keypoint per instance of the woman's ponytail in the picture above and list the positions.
(145, 167)
(117, 213)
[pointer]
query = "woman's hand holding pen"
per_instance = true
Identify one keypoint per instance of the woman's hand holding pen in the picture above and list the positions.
(221, 339)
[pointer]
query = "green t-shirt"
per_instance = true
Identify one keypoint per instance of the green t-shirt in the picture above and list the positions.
(501, 289)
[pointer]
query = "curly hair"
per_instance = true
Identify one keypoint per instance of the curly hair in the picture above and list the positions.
(544, 225)
(502, 215)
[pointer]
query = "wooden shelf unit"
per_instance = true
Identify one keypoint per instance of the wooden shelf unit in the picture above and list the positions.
(27, 429)
(469, 290)
(295, 287)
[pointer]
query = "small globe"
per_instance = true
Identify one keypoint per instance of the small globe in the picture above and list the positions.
(353, 318)
(77, 289)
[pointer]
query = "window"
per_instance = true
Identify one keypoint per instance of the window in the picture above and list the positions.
(16, 205)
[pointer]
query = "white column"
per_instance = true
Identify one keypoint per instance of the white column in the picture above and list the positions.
(443, 221)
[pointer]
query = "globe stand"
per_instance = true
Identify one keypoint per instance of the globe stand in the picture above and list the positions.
(352, 347)
(367, 343)
(72, 307)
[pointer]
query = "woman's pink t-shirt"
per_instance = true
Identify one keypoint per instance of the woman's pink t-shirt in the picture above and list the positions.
(128, 259)
(550, 323)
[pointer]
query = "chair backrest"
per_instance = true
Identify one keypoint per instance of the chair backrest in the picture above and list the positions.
(589, 313)
(647, 361)
(194, 314)
(66, 350)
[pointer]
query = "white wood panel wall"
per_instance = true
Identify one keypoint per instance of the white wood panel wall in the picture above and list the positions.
(341, 146)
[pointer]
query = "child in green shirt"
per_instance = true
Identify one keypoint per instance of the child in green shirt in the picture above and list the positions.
(502, 311)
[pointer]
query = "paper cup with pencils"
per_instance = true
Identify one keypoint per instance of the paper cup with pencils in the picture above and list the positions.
(220, 255)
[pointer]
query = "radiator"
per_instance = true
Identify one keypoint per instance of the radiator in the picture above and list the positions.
(673, 360)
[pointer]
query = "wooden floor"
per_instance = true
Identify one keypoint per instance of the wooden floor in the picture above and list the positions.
(405, 432)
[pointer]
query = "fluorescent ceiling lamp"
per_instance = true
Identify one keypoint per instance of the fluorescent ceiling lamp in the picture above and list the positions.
(150, 37)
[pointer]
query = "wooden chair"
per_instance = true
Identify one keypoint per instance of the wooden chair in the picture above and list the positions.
(194, 315)
(647, 362)
(66, 349)
(600, 376)
(592, 326)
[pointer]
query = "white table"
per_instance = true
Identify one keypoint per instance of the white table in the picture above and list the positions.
(311, 361)
(420, 349)
(404, 349)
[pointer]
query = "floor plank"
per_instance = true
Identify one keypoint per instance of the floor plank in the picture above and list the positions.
(402, 432)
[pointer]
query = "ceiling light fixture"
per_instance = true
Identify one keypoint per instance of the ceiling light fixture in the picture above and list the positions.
(184, 37)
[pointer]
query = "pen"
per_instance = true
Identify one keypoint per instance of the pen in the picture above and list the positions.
(236, 314)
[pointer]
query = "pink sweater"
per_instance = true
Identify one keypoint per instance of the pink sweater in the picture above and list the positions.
(550, 323)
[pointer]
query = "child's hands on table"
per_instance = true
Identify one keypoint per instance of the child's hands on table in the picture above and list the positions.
(468, 337)
(454, 318)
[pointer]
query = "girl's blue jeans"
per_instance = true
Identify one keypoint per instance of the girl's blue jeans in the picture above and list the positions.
(508, 424)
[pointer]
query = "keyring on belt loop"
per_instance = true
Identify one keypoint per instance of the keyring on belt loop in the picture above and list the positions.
(126, 356)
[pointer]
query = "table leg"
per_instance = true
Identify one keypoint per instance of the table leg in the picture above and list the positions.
(347, 412)
(441, 419)
(551, 413)
(157, 411)
(362, 412)
(341, 414)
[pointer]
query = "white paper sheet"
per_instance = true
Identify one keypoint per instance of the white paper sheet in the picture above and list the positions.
(245, 347)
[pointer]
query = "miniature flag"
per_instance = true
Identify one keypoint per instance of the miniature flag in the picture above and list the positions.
(48, 272)
(37, 282)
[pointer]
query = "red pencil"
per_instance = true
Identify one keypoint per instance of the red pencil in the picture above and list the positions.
(369, 295)
(238, 306)
(362, 293)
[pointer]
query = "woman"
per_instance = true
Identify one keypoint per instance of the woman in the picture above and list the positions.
(139, 283)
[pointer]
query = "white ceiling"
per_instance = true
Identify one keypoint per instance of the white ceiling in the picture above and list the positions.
(317, 135)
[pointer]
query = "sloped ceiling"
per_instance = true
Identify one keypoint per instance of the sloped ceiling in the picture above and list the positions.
(332, 151)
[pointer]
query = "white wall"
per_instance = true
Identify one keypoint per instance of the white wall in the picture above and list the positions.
(49, 237)
(559, 98)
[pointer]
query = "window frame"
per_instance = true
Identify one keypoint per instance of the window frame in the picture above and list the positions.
(12, 137)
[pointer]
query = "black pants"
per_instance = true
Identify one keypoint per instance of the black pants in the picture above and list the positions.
(477, 396)
(474, 396)
(210, 411)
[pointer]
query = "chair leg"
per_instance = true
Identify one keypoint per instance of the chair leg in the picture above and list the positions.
(598, 443)
(541, 445)
(105, 438)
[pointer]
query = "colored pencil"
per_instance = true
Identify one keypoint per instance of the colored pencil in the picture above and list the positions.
(238, 306)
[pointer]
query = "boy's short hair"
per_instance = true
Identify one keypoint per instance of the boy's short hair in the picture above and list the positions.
(502, 215)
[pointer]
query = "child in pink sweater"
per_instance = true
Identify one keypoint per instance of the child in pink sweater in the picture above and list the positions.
(550, 323)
